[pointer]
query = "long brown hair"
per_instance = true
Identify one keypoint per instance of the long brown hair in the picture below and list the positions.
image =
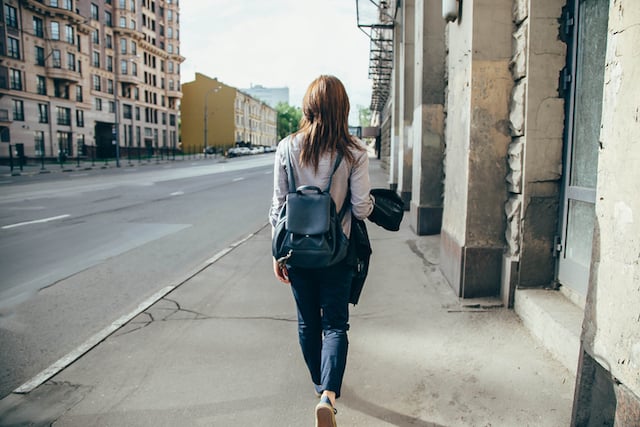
(324, 124)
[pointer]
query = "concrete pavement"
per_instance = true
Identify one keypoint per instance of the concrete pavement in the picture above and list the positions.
(221, 350)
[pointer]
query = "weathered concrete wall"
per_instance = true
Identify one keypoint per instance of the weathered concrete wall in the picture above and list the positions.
(535, 153)
(394, 108)
(459, 60)
(457, 131)
(428, 119)
(611, 330)
(406, 69)
(477, 138)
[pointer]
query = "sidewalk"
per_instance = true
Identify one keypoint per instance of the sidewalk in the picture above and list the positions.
(221, 350)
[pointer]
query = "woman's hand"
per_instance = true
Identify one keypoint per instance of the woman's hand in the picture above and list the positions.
(281, 272)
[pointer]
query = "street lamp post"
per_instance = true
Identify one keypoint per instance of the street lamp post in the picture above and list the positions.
(206, 116)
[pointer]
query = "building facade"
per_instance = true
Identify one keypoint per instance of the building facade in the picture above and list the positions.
(96, 78)
(510, 128)
(220, 116)
(271, 95)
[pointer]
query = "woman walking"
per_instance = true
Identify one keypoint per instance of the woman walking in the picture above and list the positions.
(322, 294)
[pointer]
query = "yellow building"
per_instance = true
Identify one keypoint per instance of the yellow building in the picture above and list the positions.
(214, 115)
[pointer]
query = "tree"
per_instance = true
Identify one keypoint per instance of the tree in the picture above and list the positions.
(364, 115)
(288, 119)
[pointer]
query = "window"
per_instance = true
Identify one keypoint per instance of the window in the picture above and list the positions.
(109, 63)
(96, 59)
(109, 86)
(79, 96)
(98, 103)
(123, 45)
(123, 66)
(61, 89)
(43, 113)
(109, 41)
(13, 48)
(65, 144)
(55, 30)
(96, 82)
(170, 66)
(68, 32)
(71, 61)
(107, 19)
(41, 85)
(134, 69)
(64, 116)
(67, 4)
(170, 48)
(38, 27)
(80, 118)
(18, 110)
(134, 48)
(112, 107)
(56, 58)
(170, 32)
(15, 77)
(95, 37)
(137, 113)
(123, 22)
(39, 56)
(39, 142)
(122, 4)
(126, 111)
(81, 145)
(94, 12)
(11, 16)
(53, 3)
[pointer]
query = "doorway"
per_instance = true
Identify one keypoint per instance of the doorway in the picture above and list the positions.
(586, 24)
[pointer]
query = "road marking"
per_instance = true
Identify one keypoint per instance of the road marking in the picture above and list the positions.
(238, 179)
(37, 221)
(90, 343)
(177, 193)
(96, 339)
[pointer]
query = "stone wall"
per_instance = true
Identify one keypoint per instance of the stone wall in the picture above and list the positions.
(611, 331)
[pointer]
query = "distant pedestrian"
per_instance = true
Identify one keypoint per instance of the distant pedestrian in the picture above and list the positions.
(322, 294)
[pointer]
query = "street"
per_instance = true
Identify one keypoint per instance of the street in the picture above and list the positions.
(80, 249)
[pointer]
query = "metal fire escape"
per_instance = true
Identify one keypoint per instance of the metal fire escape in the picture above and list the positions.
(376, 18)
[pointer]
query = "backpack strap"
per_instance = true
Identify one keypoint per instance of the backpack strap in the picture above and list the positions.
(290, 178)
(292, 181)
(335, 168)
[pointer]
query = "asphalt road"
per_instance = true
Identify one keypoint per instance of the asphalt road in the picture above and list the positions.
(80, 249)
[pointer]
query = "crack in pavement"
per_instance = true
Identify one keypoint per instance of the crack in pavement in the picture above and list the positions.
(172, 310)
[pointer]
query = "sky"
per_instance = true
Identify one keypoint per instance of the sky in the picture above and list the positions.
(276, 43)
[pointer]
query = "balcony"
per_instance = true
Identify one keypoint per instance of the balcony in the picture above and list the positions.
(63, 74)
(128, 79)
(175, 93)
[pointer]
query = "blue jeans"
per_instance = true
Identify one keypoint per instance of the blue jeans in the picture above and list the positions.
(322, 299)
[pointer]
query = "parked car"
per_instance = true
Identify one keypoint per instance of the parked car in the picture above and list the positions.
(238, 151)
